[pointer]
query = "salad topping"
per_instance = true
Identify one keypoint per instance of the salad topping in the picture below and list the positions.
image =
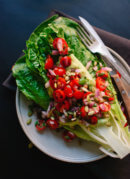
(74, 98)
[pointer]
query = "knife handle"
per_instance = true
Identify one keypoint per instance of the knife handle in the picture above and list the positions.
(123, 93)
(114, 65)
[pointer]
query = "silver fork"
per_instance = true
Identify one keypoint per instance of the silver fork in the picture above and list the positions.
(96, 45)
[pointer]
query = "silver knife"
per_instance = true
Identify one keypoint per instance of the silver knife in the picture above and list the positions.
(105, 51)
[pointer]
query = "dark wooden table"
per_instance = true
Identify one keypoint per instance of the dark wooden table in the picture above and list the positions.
(18, 18)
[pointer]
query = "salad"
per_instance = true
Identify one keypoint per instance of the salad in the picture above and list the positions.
(72, 88)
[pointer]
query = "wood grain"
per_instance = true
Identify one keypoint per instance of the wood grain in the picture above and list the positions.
(124, 93)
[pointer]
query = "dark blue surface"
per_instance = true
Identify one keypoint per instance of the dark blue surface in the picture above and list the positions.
(18, 18)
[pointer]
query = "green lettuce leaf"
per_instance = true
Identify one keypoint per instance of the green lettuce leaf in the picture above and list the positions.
(68, 29)
(30, 84)
(39, 46)
(79, 132)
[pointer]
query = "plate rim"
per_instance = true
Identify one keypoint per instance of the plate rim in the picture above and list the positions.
(39, 146)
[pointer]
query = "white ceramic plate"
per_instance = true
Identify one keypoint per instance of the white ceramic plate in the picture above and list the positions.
(51, 142)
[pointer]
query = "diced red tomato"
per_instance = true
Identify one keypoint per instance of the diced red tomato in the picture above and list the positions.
(100, 83)
(65, 61)
(55, 43)
(59, 95)
(68, 91)
(86, 94)
(78, 94)
(75, 81)
(73, 87)
(74, 84)
(126, 124)
(77, 75)
(52, 124)
(65, 105)
(109, 94)
(60, 71)
(49, 63)
(83, 112)
(61, 45)
(40, 125)
(50, 76)
(61, 83)
(68, 136)
(118, 74)
(102, 74)
(70, 117)
(104, 107)
(52, 81)
(111, 98)
(72, 77)
(94, 120)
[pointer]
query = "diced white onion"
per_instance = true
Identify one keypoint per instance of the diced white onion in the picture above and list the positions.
(77, 70)
(88, 64)
(55, 52)
(102, 93)
(106, 69)
(102, 106)
(52, 72)
(59, 45)
(97, 93)
(43, 114)
(95, 68)
(91, 103)
(47, 84)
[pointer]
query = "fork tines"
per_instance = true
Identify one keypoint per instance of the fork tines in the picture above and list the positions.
(86, 38)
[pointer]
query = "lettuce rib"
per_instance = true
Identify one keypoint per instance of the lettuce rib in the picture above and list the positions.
(114, 139)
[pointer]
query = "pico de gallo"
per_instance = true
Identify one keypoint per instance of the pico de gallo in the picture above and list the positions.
(73, 97)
